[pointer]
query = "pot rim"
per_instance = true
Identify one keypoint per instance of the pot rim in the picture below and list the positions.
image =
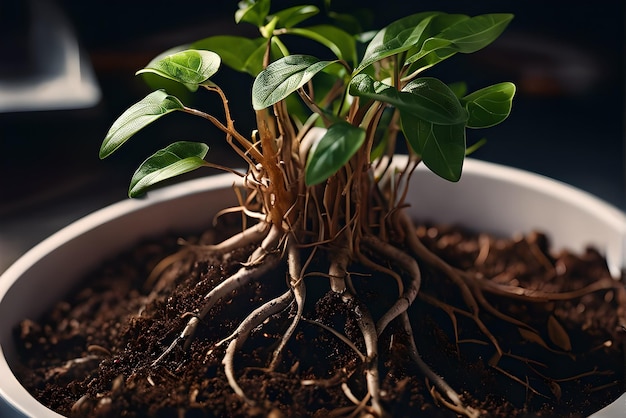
(16, 400)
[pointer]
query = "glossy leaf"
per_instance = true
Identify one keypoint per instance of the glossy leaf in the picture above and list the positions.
(190, 67)
(138, 116)
(429, 60)
(283, 77)
(157, 82)
(441, 147)
(334, 149)
(426, 98)
(433, 45)
(450, 34)
(341, 43)
(459, 88)
(173, 160)
(253, 11)
(489, 106)
(399, 36)
(291, 16)
(477, 32)
(235, 51)
(441, 97)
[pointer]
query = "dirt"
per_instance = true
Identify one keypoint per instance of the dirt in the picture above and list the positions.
(92, 354)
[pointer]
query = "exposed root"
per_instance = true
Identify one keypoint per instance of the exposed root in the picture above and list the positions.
(296, 284)
(253, 235)
(531, 295)
(161, 267)
(360, 405)
(158, 279)
(274, 245)
(480, 297)
(243, 276)
(424, 254)
(409, 264)
(337, 271)
(335, 380)
(340, 336)
(256, 318)
(466, 411)
(439, 383)
(338, 275)
(368, 329)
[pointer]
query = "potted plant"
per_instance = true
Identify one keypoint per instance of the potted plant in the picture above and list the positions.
(327, 252)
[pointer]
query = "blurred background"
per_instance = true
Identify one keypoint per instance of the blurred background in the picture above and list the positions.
(67, 71)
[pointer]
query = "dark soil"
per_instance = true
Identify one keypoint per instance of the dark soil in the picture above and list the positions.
(91, 354)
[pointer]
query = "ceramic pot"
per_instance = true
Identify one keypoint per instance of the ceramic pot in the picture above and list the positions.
(489, 198)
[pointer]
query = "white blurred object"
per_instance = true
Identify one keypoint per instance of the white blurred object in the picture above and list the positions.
(61, 77)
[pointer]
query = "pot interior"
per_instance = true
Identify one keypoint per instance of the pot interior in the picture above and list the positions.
(489, 198)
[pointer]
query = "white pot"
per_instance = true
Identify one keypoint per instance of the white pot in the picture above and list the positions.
(488, 198)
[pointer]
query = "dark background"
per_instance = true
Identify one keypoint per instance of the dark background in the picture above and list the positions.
(567, 59)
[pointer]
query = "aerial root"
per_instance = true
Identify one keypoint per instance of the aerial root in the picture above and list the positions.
(256, 318)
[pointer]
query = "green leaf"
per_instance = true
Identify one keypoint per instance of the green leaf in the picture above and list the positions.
(190, 67)
(173, 160)
(489, 106)
(477, 32)
(323, 84)
(426, 98)
(399, 36)
(283, 77)
(253, 11)
(432, 44)
(459, 88)
(465, 35)
(352, 22)
(293, 15)
(441, 147)
(441, 97)
(334, 149)
(235, 51)
(341, 43)
(136, 117)
(254, 62)
(428, 60)
(157, 82)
